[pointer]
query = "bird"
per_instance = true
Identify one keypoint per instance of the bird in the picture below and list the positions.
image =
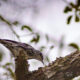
(15, 47)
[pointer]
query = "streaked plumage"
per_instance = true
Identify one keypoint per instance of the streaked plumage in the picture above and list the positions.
(15, 47)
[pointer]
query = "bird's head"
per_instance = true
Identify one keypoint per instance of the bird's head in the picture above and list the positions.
(16, 47)
(35, 55)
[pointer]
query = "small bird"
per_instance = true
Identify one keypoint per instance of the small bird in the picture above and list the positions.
(15, 47)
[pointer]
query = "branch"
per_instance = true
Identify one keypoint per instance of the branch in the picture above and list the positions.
(62, 69)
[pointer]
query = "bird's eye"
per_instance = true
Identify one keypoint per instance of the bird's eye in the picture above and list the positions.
(30, 53)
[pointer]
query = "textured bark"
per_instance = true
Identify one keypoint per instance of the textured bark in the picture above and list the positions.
(61, 69)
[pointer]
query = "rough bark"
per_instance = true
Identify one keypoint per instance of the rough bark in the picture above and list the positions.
(61, 69)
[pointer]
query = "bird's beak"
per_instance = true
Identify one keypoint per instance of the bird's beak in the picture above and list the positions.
(38, 57)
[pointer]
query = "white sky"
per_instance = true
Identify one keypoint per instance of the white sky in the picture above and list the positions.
(49, 18)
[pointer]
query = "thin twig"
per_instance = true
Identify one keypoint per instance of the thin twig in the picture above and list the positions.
(10, 26)
(18, 37)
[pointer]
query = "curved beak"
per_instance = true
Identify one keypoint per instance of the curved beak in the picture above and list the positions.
(37, 57)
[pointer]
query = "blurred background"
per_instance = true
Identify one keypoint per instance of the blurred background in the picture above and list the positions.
(51, 26)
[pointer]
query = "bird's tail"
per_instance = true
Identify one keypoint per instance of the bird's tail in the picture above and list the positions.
(8, 44)
(4, 42)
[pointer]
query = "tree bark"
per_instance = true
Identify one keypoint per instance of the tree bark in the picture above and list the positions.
(65, 68)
